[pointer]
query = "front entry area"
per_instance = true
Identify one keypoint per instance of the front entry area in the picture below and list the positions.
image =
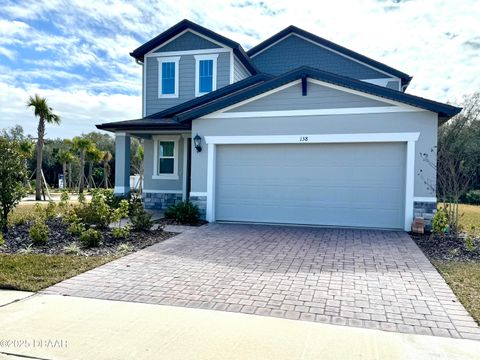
(336, 184)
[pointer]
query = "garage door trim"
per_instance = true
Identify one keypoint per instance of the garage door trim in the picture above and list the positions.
(409, 138)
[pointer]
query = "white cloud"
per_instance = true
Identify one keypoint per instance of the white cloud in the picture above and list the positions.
(87, 43)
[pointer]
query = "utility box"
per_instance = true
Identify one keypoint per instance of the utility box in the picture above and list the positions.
(418, 226)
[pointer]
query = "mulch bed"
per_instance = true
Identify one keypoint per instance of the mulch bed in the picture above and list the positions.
(447, 248)
(165, 221)
(17, 240)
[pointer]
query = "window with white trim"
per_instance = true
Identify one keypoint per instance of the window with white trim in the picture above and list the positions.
(165, 164)
(168, 75)
(205, 74)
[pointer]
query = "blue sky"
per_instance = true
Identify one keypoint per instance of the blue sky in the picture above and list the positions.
(76, 53)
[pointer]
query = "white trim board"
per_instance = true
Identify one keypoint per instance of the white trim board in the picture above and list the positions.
(313, 138)
(408, 138)
(425, 199)
(189, 52)
(198, 193)
(309, 112)
(162, 191)
(327, 48)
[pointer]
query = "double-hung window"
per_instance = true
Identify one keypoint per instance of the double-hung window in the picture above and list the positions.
(168, 74)
(205, 74)
(165, 157)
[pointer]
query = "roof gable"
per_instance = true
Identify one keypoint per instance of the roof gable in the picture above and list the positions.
(255, 51)
(444, 111)
(187, 40)
(183, 25)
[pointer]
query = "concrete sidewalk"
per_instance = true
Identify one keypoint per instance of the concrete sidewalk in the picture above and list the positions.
(80, 328)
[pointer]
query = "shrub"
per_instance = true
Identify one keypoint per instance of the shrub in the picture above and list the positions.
(121, 232)
(76, 228)
(2, 240)
(12, 176)
(184, 212)
(91, 238)
(97, 212)
(39, 232)
(124, 248)
(120, 212)
(64, 199)
(50, 210)
(72, 249)
(473, 197)
(469, 245)
(141, 220)
(134, 204)
(440, 223)
(81, 198)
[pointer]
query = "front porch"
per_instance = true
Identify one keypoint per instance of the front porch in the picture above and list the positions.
(167, 168)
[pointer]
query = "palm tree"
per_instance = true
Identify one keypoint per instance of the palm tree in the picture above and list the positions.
(65, 157)
(93, 156)
(81, 145)
(107, 156)
(45, 116)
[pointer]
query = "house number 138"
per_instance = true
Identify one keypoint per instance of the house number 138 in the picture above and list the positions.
(303, 138)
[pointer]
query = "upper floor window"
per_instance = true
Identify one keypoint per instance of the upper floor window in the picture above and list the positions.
(205, 73)
(168, 74)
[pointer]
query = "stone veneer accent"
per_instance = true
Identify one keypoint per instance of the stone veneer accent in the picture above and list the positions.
(426, 210)
(201, 202)
(160, 201)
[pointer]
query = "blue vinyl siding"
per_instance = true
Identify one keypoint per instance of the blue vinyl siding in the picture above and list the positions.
(188, 41)
(205, 76)
(293, 52)
(168, 78)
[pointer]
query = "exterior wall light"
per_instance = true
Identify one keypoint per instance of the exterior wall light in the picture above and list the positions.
(197, 141)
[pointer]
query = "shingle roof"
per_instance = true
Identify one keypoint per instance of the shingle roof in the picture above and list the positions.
(187, 24)
(444, 111)
(164, 119)
(317, 39)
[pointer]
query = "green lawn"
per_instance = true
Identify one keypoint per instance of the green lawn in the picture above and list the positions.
(464, 279)
(33, 272)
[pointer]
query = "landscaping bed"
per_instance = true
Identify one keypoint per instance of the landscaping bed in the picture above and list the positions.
(17, 240)
(448, 247)
(165, 221)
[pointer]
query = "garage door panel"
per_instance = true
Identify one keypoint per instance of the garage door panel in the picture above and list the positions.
(322, 184)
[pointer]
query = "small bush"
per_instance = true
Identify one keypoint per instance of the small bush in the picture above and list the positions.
(124, 248)
(91, 238)
(469, 244)
(72, 249)
(81, 198)
(50, 210)
(141, 220)
(473, 197)
(184, 212)
(120, 212)
(97, 212)
(134, 204)
(440, 223)
(76, 228)
(64, 199)
(39, 232)
(121, 232)
(2, 240)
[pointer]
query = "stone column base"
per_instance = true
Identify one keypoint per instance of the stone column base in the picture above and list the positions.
(160, 201)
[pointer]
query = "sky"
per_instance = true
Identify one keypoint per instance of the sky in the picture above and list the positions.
(76, 53)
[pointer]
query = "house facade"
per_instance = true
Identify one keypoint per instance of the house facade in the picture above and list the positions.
(297, 130)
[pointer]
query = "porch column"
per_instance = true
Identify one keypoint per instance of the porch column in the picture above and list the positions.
(122, 164)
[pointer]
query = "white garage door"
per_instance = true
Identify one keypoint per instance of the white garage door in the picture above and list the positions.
(361, 185)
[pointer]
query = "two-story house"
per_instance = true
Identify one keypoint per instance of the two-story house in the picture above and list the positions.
(297, 130)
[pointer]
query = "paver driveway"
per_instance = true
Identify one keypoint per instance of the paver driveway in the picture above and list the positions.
(368, 278)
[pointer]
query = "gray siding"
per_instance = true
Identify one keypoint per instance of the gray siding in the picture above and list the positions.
(188, 41)
(423, 122)
(161, 184)
(239, 71)
(293, 52)
(186, 81)
(318, 97)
